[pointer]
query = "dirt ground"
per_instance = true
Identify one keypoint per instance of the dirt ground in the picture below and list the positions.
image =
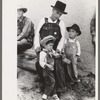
(28, 89)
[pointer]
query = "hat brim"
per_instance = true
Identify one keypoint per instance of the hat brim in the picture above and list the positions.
(46, 39)
(59, 10)
(24, 9)
(78, 31)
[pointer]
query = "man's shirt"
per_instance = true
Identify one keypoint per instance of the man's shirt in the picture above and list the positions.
(37, 35)
(26, 27)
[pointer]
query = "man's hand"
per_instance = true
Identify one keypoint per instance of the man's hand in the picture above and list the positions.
(38, 49)
(18, 38)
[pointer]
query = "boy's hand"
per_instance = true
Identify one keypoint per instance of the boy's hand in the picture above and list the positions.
(79, 59)
(67, 61)
(50, 67)
(57, 55)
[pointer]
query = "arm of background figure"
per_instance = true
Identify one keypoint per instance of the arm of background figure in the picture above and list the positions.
(26, 30)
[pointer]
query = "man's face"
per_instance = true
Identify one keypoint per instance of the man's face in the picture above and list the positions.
(56, 14)
(72, 33)
(20, 13)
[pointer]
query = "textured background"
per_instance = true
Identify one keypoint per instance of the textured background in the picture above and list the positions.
(79, 11)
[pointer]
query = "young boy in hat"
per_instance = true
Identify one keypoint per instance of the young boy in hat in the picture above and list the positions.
(52, 25)
(25, 31)
(46, 61)
(72, 52)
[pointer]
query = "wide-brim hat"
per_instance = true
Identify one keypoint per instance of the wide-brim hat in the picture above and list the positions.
(24, 9)
(60, 6)
(46, 39)
(75, 27)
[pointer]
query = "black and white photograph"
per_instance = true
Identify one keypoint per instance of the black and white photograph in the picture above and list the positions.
(56, 49)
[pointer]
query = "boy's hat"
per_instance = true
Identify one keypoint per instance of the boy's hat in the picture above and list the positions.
(60, 6)
(46, 39)
(75, 27)
(22, 8)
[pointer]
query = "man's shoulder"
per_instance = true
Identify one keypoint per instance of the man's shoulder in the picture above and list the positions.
(62, 22)
(27, 19)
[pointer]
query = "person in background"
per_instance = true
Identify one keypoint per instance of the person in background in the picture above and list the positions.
(46, 61)
(52, 25)
(93, 30)
(25, 31)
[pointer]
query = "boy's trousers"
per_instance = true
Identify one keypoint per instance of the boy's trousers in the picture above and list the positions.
(49, 82)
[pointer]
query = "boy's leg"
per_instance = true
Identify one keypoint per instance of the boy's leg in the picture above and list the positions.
(40, 76)
(49, 82)
(74, 63)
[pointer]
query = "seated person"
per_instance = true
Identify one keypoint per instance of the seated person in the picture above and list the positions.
(25, 31)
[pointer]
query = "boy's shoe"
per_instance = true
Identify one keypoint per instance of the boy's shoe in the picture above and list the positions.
(44, 97)
(55, 97)
(78, 80)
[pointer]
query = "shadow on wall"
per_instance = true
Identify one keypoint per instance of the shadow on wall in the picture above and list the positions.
(79, 11)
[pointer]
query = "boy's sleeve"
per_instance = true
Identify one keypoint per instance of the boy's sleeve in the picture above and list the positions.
(79, 48)
(42, 59)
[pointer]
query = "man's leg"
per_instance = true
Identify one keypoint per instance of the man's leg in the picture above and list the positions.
(22, 46)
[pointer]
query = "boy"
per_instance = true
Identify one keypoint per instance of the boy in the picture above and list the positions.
(46, 61)
(72, 52)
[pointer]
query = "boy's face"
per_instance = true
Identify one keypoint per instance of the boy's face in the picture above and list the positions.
(72, 33)
(49, 46)
(20, 13)
(56, 14)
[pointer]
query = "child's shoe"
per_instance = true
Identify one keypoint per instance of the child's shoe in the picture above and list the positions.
(44, 97)
(55, 97)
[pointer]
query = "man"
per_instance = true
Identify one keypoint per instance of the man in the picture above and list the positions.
(51, 26)
(25, 31)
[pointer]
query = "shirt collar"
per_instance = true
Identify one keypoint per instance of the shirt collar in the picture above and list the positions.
(50, 20)
(71, 40)
(20, 19)
(47, 50)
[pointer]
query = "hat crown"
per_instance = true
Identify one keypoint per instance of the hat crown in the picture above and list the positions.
(22, 8)
(60, 5)
(75, 26)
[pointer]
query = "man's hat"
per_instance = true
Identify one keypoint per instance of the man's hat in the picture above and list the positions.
(75, 27)
(60, 6)
(46, 39)
(22, 8)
